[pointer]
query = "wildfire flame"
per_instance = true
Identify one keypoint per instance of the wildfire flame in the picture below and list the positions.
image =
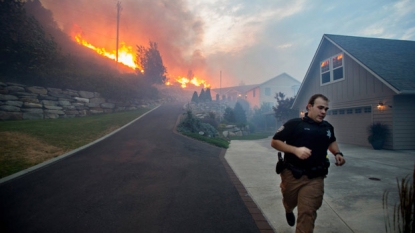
(126, 56)
(195, 81)
(125, 53)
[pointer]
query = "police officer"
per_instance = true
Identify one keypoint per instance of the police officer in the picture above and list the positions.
(304, 142)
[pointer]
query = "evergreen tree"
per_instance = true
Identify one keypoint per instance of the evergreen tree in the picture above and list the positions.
(239, 113)
(195, 98)
(229, 115)
(152, 64)
(259, 119)
(208, 96)
(202, 96)
(283, 111)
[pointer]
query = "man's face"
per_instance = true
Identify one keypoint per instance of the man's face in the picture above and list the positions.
(317, 112)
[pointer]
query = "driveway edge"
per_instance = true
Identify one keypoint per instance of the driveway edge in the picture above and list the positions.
(60, 157)
(256, 213)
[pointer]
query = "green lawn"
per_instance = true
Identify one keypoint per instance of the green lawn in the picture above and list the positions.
(28, 142)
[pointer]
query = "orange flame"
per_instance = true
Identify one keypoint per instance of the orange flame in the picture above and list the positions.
(125, 53)
(195, 81)
(126, 56)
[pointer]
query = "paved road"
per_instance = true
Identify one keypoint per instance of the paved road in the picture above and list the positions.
(144, 178)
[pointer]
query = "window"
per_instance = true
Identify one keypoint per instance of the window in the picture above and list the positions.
(357, 110)
(325, 71)
(349, 111)
(267, 91)
(341, 111)
(332, 69)
(334, 112)
(367, 110)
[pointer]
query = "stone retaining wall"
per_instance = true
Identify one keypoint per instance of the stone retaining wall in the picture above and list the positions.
(20, 102)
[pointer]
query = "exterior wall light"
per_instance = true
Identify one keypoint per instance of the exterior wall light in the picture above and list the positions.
(381, 106)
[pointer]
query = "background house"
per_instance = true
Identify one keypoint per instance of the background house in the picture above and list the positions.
(258, 94)
(367, 80)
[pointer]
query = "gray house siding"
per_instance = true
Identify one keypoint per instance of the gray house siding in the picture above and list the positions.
(404, 122)
(359, 89)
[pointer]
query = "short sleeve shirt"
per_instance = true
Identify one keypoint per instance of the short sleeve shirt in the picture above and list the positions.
(306, 132)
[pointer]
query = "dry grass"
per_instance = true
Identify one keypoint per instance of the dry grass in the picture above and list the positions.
(19, 151)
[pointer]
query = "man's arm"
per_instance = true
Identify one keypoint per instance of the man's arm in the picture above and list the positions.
(300, 152)
(334, 148)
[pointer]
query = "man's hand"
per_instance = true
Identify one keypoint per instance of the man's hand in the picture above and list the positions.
(340, 160)
(302, 152)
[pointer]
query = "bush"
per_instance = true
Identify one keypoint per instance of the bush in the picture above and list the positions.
(377, 134)
(192, 124)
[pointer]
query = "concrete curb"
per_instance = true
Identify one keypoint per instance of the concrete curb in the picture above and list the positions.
(60, 157)
(256, 213)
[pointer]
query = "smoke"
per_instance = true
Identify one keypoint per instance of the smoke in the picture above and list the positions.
(170, 24)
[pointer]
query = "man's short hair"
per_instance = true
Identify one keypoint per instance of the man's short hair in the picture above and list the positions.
(314, 97)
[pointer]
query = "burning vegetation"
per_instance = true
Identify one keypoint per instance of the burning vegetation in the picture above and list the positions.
(41, 48)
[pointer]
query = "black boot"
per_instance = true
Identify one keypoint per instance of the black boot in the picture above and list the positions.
(290, 218)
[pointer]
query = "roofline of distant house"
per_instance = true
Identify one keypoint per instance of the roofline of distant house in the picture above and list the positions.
(257, 85)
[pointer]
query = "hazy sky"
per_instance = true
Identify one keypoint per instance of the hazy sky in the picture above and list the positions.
(249, 41)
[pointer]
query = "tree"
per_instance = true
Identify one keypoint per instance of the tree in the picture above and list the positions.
(202, 96)
(195, 98)
(208, 96)
(259, 118)
(239, 112)
(229, 115)
(24, 45)
(149, 59)
(283, 111)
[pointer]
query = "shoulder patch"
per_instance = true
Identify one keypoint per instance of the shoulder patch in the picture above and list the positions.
(280, 129)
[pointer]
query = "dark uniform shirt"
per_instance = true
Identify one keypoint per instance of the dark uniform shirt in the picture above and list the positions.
(306, 132)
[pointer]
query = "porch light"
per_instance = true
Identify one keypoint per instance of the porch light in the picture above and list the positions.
(381, 106)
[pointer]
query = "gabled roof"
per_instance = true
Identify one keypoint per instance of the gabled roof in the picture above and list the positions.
(246, 88)
(279, 76)
(392, 61)
(239, 89)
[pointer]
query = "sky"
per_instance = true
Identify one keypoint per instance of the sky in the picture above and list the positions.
(246, 41)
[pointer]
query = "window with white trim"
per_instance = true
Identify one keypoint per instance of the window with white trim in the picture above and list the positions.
(331, 69)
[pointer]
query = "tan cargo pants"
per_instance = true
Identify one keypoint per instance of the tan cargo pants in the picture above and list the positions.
(304, 193)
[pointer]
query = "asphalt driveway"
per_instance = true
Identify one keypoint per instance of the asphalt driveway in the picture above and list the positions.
(144, 178)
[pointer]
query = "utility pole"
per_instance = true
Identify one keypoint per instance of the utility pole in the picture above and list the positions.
(220, 96)
(118, 25)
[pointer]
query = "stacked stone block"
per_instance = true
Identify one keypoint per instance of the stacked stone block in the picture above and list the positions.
(20, 102)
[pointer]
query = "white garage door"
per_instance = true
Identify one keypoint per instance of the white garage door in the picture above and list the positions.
(350, 125)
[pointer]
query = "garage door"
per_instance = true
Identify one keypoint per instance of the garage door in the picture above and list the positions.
(350, 124)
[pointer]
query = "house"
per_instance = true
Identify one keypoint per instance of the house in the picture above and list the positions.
(367, 80)
(265, 92)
